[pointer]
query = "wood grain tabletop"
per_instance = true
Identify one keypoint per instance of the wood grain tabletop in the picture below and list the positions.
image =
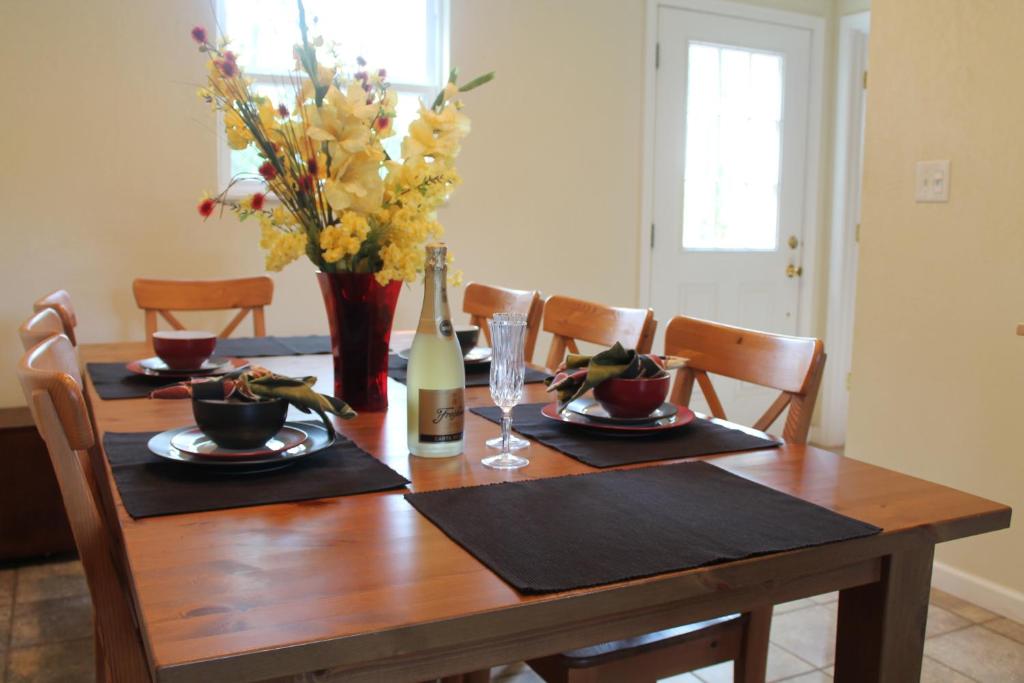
(364, 584)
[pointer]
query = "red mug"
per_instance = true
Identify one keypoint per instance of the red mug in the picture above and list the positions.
(637, 397)
(184, 349)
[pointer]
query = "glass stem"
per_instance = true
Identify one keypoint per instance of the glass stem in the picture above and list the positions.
(506, 428)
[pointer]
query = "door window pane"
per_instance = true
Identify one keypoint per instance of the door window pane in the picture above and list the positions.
(733, 138)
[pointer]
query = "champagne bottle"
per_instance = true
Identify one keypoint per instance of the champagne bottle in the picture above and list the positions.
(436, 377)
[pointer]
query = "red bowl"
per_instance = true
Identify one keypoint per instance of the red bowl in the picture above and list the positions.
(632, 397)
(184, 349)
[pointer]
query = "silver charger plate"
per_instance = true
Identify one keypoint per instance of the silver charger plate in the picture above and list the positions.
(210, 365)
(317, 440)
(592, 410)
(194, 442)
(478, 354)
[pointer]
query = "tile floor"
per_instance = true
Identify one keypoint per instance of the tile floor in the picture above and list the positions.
(46, 637)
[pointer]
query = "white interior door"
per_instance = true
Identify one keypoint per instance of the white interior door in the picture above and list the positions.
(731, 137)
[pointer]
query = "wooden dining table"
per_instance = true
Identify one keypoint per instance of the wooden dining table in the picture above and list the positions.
(364, 588)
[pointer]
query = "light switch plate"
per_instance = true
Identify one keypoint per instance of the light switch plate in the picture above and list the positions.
(932, 181)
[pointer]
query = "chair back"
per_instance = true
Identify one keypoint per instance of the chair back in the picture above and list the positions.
(161, 297)
(570, 320)
(49, 378)
(60, 301)
(41, 326)
(793, 365)
(483, 301)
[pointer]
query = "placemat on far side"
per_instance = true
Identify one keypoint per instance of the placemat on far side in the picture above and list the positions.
(255, 347)
(564, 533)
(477, 374)
(151, 486)
(602, 449)
(115, 381)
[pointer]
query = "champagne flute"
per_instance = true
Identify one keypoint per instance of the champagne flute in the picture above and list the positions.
(508, 369)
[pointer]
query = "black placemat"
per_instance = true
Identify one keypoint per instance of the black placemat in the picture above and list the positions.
(151, 486)
(477, 374)
(601, 449)
(254, 347)
(571, 532)
(115, 381)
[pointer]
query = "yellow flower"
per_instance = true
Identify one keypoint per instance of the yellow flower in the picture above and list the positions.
(344, 239)
(436, 135)
(324, 76)
(238, 135)
(268, 115)
(282, 246)
(355, 183)
(344, 133)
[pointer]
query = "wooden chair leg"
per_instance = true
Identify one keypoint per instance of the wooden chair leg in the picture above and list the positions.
(482, 676)
(752, 664)
(102, 673)
(587, 676)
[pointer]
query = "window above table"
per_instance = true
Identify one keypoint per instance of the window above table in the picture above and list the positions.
(408, 38)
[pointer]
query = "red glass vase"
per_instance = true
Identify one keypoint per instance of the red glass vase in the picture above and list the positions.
(360, 312)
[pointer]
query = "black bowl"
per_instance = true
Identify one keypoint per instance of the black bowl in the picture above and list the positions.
(240, 424)
(468, 336)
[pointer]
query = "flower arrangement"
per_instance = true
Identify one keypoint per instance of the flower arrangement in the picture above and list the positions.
(344, 203)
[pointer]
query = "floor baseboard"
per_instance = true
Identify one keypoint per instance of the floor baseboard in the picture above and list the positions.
(982, 592)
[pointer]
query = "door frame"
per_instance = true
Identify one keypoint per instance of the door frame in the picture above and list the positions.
(851, 64)
(816, 25)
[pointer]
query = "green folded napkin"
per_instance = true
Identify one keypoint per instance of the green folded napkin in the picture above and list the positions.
(581, 373)
(260, 383)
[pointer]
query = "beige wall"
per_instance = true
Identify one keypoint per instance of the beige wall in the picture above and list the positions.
(938, 374)
(108, 151)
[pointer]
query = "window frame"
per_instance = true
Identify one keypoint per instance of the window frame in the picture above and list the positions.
(438, 46)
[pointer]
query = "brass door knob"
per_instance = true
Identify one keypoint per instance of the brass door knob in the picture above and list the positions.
(794, 271)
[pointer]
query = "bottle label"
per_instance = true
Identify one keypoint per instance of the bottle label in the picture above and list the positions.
(445, 328)
(441, 415)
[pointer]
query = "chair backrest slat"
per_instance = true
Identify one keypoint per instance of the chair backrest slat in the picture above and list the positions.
(482, 301)
(49, 380)
(569, 320)
(41, 326)
(793, 365)
(60, 301)
(161, 297)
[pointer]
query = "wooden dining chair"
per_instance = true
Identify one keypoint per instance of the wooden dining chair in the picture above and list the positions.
(60, 301)
(162, 297)
(52, 386)
(792, 365)
(570, 320)
(741, 638)
(41, 326)
(483, 301)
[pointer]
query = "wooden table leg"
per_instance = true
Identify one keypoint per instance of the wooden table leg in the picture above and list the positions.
(881, 625)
